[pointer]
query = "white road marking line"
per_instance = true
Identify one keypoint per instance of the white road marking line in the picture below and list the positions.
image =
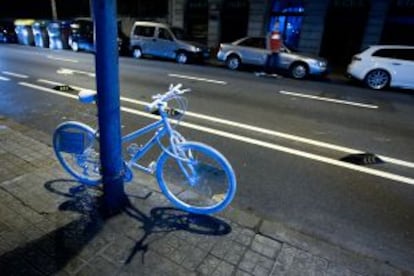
(311, 156)
(276, 147)
(265, 131)
(197, 79)
(328, 99)
(60, 83)
(67, 71)
(62, 59)
(4, 78)
(15, 75)
(49, 90)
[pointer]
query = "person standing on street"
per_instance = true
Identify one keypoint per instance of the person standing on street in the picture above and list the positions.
(273, 43)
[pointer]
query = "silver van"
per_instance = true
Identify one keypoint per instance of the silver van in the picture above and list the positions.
(164, 41)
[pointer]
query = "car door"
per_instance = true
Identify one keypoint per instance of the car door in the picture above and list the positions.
(253, 50)
(405, 67)
(143, 37)
(164, 44)
(86, 37)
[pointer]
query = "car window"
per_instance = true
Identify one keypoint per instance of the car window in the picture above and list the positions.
(407, 54)
(82, 27)
(255, 42)
(386, 53)
(146, 31)
(403, 54)
(164, 34)
(180, 33)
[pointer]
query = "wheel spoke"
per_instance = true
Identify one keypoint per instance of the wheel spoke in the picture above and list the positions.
(203, 183)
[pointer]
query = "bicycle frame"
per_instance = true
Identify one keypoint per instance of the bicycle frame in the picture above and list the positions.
(162, 128)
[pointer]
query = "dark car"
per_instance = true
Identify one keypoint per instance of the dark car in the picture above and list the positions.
(83, 37)
(7, 33)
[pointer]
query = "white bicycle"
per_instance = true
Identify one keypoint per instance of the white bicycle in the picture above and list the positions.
(193, 176)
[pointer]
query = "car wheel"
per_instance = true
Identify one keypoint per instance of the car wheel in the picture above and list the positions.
(137, 53)
(298, 70)
(233, 62)
(75, 46)
(377, 79)
(182, 57)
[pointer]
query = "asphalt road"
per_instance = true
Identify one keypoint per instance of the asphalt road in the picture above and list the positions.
(284, 138)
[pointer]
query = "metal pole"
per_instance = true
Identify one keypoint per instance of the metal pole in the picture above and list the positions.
(107, 82)
(54, 10)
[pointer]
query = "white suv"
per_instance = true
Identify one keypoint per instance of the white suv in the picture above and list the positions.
(384, 65)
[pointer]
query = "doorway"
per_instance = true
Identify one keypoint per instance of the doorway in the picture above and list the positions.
(196, 20)
(344, 30)
(234, 19)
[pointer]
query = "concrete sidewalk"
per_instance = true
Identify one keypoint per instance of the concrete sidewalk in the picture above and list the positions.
(49, 225)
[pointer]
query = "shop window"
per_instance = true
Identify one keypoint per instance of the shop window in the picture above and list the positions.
(290, 17)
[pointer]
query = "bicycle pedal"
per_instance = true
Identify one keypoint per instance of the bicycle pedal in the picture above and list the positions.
(152, 167)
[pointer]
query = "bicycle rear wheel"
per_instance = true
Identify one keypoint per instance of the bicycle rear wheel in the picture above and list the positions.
(198, 180)
(77, 149)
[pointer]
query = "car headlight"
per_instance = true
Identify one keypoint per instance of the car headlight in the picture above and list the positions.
(196, 49)
(321, 63)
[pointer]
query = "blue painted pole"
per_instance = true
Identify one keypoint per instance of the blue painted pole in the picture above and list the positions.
(107, 82)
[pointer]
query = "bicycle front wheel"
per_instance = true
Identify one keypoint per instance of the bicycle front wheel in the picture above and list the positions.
(198, 179)
(77, 149)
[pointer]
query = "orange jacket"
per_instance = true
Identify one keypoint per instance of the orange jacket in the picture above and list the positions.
(274, 41)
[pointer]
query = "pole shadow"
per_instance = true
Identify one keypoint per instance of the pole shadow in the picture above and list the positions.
(50, 253)
(53, 251)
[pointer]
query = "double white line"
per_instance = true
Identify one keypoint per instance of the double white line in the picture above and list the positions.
(257, 142)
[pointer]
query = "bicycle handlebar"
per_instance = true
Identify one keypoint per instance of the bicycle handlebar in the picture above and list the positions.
(161, 99)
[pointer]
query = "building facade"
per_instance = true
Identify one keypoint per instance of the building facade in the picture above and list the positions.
(336, 29)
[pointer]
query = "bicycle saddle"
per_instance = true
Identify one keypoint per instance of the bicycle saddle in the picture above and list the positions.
(87, 96)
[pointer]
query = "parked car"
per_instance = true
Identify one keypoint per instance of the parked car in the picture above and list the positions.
(7, 34)
(83, 36)
(253, 51)
(384, 65)
(164, 41)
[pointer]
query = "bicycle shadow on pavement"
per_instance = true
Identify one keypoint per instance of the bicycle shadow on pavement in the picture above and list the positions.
(157, 221)
(164, 220)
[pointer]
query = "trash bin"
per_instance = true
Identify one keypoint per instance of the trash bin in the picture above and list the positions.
(23, 29)
(41, 37)
(59, 32)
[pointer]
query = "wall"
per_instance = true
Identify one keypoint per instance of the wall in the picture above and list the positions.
(375, 23)
(313, 26)
(257, 17)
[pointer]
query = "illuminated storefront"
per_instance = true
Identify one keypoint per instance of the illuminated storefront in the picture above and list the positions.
(289, 14)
